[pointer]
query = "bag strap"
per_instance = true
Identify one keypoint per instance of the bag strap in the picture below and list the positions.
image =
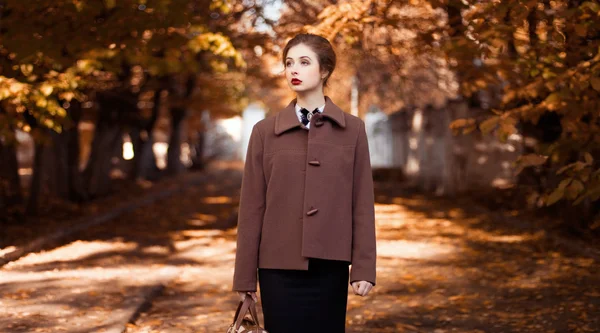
(242, 309)
(237, 313)
(253, 312)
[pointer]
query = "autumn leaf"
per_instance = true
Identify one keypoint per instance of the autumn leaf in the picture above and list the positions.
(489, 124)
(552, 101)
(467, 125)
(110, 3)
(564, 183)
(556, 195)
(458, 123)
(530, 160)
(595, 82)
(591, 5)
(574, 189)
(46, 89)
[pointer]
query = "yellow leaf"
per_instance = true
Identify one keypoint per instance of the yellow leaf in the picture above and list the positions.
(552, 101)
(591, 5)
(458, 123)
(534, 159)
(574, 189)
(564, 183)
(564, 168)
(110, 3)
(508, 128)
(578, 166)
(489, 124)
(42, 103)
(530, 160)
(595, 81)
(49, 123)
(46, 89)
(556, 195)
(78, 5)
(4, 93)
(26, 69)
(68, 96)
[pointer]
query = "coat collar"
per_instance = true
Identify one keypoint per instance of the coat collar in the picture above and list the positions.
(287, 119)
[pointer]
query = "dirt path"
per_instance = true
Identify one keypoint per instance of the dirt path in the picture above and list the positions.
(445, 268)
(442, 267)
(96, 282)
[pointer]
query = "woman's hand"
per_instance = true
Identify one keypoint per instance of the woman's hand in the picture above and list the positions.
(243, 295)
(361, 288)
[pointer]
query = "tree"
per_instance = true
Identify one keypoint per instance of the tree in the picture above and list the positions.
(540, 58)
(116, 55)
(546, 57)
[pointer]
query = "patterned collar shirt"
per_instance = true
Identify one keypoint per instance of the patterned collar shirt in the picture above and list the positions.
(300, 116)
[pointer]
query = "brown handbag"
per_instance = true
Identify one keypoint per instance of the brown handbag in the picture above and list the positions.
(241, 324)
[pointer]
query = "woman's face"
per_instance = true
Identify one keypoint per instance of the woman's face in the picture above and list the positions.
(302, 69)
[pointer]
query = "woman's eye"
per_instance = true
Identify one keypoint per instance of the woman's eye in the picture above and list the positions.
(305, 63)
(288, 64)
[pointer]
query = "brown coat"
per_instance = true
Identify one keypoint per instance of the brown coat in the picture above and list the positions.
(306, 193)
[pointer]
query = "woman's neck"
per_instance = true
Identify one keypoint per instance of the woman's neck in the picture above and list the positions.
(311, 100)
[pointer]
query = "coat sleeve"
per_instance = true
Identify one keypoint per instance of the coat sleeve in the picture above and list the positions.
(364, 252)
(250, 216)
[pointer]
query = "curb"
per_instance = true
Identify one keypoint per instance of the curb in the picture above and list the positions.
(143, 306)
(87, 222)
(157, 290)
(120, 320)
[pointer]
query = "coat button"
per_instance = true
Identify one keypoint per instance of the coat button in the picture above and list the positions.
(311, 212)
(314, 162)
(319, 119)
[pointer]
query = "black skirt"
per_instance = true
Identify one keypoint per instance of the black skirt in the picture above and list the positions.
(293, 300)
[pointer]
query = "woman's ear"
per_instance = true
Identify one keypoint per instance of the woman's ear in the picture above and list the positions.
(324, 75)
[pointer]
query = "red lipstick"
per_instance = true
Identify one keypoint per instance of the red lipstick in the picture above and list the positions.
(296, 81)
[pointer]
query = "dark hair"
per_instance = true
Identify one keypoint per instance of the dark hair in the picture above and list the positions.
(318, 45)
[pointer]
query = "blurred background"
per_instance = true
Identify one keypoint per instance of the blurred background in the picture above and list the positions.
(457, 95)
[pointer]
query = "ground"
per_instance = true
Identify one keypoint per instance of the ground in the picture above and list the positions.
(443, 266)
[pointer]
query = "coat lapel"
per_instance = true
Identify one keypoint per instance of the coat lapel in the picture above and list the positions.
(287, 119)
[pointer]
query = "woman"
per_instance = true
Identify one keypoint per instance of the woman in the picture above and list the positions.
(307, 206)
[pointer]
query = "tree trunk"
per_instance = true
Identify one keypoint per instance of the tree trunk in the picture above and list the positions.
(35, 188)
(174, 165)
(76, 191)
(142, 140)
(3, 211)
(10, 182)
(11, 196)
(61, 160)
(181, 88)
(97, 173)
(198, 162)
(138, 140)
(145, 161)
(56, 166)
(106, 136)
(9, 174)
